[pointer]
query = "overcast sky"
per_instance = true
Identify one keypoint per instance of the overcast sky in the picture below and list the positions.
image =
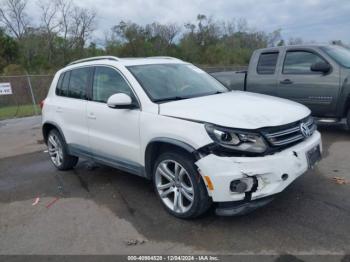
(318, 20)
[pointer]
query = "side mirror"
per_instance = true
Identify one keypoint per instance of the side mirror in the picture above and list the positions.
(121, 101)
(322, 67)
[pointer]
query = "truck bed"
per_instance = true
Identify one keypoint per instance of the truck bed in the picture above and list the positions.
(233, 80)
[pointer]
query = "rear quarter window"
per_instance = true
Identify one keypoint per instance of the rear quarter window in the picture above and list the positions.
(267, 63)
(59, 84)
(62, 84)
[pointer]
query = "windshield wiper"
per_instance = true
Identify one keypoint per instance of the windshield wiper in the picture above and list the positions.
(218, 92)
(174, 98)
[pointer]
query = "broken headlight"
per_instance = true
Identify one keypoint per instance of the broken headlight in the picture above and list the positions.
(237, 140)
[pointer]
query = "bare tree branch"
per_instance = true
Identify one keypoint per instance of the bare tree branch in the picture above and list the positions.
(14, 17)
(83, 25)
(50, 23)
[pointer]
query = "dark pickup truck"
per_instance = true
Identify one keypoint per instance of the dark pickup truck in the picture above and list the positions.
(317, 76)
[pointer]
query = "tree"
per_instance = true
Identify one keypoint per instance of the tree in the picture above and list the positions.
(208, 30)
(75, 26)
(242, 25)
(65, 10)
(50, 23)
(82, 26)
(8, 49)
(65, 30)
(274, 37)
(14, 17)
(281, 43)
(134, 39)
(161, 37)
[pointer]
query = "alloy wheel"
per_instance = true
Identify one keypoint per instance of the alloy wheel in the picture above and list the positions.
(174, 186)
(55, 149)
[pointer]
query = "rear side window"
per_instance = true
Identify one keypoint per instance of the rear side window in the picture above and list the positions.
(62, 85)
(65, 84)
(299, 62)
(78, 82)
(59, 85)
(267, 63)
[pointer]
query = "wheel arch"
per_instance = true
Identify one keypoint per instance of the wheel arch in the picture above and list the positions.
(158, 145)
(48, 126)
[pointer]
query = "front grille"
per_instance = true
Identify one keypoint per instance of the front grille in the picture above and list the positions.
(281, 136)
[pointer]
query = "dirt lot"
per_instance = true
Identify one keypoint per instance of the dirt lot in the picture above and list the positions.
(99, 210)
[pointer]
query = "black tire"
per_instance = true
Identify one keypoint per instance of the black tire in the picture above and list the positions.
(67, 161)
(201, 201)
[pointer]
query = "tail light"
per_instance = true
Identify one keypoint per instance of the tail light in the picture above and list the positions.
(42, 104)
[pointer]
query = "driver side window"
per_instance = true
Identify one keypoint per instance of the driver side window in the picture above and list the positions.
(107, 82)
(299, 62)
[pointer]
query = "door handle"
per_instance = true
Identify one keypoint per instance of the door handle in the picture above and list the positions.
(91, 116)
(59, 109)
(286, 82)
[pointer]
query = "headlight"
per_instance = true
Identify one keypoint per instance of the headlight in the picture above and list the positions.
(237, 140)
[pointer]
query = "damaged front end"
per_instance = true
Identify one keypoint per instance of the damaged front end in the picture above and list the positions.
(241, 183)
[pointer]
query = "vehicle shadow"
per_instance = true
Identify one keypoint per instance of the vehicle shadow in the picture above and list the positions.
(332, 133)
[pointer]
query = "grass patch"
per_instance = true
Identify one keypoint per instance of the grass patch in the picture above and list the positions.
(18, 111)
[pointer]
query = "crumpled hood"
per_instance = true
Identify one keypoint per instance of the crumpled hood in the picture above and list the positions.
(237, 109)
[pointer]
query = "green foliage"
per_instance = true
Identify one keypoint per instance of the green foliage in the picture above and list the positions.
(18, 111)
(14, 69)
(206, 42)
(8, 49)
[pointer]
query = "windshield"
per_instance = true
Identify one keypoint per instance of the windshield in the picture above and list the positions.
(339, 54)
(166, 82)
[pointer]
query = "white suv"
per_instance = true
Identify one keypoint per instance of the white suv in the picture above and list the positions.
(166, 120)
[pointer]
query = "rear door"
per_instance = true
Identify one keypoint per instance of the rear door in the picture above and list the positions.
(114, 134)
(263, 73)
(316, 90)
(71, 105)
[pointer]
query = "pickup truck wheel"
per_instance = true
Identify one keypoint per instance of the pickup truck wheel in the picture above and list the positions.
(179, 186)
(58, 151)
(348, 119)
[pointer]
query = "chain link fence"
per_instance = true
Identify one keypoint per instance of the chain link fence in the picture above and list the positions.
(27, 91)
(23, 95)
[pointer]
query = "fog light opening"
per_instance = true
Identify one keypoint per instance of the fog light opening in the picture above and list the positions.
(242, 185)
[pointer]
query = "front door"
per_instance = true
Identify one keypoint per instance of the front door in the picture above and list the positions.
(113, 133)
(317, 91)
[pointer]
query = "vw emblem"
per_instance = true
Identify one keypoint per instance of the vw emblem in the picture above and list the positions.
(305, 130)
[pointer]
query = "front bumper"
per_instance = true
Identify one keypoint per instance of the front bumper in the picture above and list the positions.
(238, 208)
(267, 169)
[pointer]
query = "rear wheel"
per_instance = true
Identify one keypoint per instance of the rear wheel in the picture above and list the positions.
(179, 186)
(58, 151)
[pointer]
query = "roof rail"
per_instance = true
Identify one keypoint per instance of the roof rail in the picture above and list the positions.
(163, 57)
(94, 59)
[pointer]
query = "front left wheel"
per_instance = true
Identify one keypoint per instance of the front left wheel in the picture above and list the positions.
(179, 186)
(58, 151)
